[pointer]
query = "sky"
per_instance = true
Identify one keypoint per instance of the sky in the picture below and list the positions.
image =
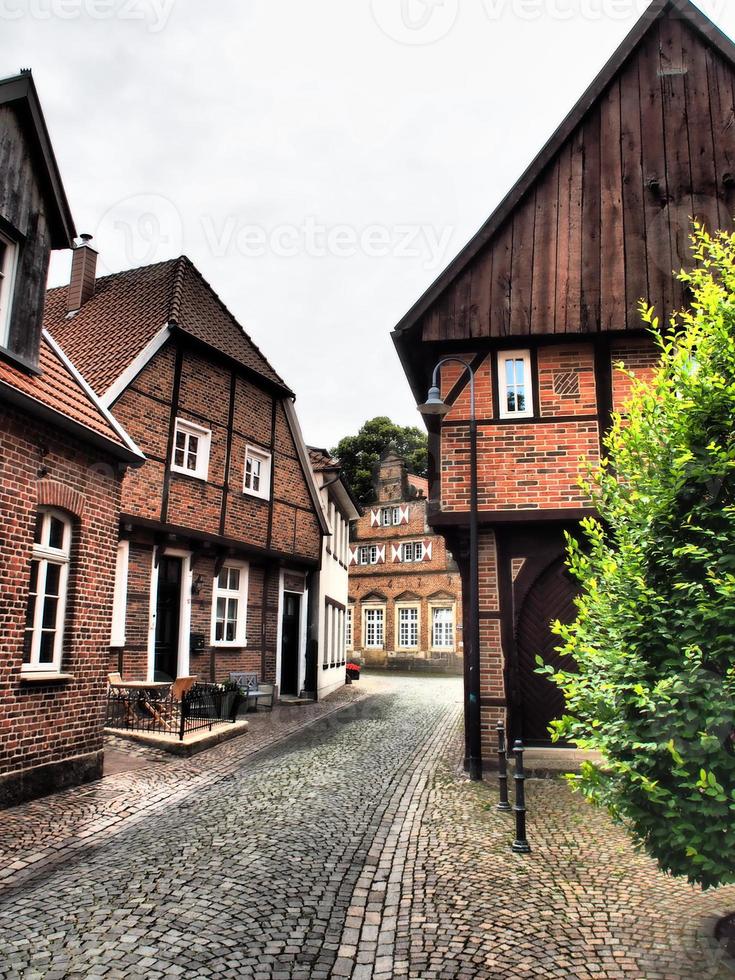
(320, 161)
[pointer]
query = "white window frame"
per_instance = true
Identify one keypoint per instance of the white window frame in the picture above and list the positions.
(501, 375)
(443, 607)
(45, 555)
(349, 628)
(266, 461)
(8, 272)
(396, 515)
(367, 614)
(407, 607)
(372, 554)
(202, 456)
(414, 545)
(120, 597)
(241, 595)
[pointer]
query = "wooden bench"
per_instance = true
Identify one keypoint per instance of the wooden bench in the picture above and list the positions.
(255, 692)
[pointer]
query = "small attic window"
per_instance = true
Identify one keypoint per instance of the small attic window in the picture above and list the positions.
(8, 265)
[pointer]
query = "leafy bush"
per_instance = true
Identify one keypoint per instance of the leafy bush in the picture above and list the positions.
(654, 641)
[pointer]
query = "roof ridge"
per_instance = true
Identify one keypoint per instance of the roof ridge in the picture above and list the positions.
(177, 288)
(223, 306)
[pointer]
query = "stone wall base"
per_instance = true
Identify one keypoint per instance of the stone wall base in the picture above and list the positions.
(27, 784)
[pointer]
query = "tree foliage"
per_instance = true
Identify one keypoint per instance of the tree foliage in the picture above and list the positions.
(360, 454)
(654, 641)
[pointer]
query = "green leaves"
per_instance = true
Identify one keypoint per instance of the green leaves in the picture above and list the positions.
(360, 454)
(654, 641)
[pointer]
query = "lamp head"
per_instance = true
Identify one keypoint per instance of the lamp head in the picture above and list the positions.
(434, 404)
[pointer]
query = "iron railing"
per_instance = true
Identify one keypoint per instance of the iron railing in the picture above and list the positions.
(158, 712)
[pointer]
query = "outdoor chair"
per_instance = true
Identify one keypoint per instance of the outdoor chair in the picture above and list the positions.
(114, 679)
(165, 712)
(255, 692)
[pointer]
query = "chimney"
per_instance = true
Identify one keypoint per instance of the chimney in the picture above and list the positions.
(83, 271)
(392, 481)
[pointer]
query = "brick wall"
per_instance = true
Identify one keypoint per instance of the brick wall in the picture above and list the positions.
(205, 390)
(400, 581)
(54, 724)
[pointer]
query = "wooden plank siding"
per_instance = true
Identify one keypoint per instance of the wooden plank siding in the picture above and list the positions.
(607, 221)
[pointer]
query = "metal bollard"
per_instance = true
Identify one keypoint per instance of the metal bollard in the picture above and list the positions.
(520, 844)
(503, 805)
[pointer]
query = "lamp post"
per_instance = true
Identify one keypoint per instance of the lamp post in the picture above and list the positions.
(435, 406)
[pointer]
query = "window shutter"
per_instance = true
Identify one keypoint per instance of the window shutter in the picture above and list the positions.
(405, 511)
(353, 556)
(428, 545)
(395, 552)
(374, 518)
(381, 555)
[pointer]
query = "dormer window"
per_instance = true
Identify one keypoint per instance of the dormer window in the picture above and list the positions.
(8, 262)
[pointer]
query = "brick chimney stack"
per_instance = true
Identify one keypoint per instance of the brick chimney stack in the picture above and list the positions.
(83, 272)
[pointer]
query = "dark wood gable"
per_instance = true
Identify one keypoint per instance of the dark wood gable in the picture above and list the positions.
(601, 219)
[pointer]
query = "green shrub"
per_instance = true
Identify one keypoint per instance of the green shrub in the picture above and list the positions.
(654, 641)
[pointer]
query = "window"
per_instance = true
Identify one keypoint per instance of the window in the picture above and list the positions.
(120, 597)
(442, 627)
(191, 449)
(49, 578)
(514, 384)
(408, 627)
(412, 551)
(8, 262)
(229, 606)
(328, 611)
(369, 554)
(257, 473)
(374, 623)
(348, 628)
(390, 516)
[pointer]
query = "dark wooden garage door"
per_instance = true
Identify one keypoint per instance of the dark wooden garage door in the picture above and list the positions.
(550, 597)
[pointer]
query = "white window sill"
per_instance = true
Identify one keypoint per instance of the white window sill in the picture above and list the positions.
(192, 474)
(224, 645)
(44, 677)
(256, 496)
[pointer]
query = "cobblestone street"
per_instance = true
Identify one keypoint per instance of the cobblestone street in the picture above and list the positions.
(354, 848)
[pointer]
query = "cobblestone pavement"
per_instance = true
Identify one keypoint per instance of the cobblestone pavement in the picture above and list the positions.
(352, 849)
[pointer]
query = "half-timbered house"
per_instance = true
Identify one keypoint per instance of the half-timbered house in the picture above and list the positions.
(543, 302)
(221, 529)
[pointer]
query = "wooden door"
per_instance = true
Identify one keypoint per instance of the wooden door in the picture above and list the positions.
(548, 598)
(290, 642)
(168, 619)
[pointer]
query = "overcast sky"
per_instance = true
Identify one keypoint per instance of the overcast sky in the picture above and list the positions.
(320, 161)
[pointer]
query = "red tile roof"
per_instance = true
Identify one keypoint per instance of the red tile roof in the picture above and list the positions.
(322, 461)
(59, 390)
(129, 308)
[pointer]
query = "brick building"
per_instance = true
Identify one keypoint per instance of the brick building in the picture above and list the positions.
(221, 529)
(330, 592)
(405, 600)
(544, 302)
(63, 458)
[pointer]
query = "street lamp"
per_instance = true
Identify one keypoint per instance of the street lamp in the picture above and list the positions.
(437, 407)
